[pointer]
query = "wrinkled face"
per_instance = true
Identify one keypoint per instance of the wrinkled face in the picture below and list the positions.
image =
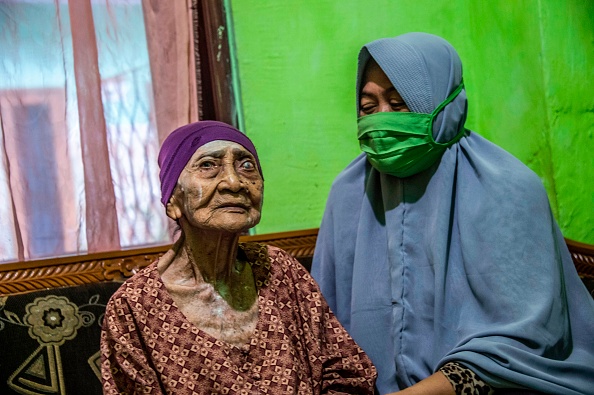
(378, 94)
(220, 188)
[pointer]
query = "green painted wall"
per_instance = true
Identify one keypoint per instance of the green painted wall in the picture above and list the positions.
(528, 65)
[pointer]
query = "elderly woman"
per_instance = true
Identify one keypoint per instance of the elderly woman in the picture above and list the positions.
(214, 315)
(473, 288)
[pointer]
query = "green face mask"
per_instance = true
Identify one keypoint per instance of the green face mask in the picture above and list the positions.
(401, 143)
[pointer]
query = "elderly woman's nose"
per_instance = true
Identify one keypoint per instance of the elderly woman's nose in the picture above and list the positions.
(230, 178)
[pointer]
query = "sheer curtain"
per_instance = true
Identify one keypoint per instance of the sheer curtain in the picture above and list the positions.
(88, 90)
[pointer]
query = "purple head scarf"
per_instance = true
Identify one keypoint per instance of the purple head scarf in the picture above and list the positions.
(182, 143)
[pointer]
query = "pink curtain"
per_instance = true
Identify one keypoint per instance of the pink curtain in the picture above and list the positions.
(85, 100)
(173, 64)
(101, 216)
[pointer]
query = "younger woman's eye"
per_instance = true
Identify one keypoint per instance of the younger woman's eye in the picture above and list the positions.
(398, 104)
(367, 107)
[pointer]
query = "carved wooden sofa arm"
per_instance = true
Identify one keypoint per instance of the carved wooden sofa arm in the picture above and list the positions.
(119, 265)
(583, 258)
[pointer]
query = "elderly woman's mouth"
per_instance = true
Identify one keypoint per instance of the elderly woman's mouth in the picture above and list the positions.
(234, 206)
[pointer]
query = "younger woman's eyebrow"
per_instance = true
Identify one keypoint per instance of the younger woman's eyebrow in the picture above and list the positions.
(388, 91)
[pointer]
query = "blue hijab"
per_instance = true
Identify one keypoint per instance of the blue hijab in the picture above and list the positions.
(460, 262)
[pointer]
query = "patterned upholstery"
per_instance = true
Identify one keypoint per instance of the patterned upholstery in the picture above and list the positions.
(50, 340)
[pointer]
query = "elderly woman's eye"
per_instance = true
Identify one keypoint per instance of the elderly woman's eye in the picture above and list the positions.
(247, 165)
(207, 165)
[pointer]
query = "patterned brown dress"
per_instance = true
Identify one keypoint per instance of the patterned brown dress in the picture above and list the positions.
(149, 347)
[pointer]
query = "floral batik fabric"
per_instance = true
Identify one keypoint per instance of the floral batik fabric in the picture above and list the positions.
(149, 347)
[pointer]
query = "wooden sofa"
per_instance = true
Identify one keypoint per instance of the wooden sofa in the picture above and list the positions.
(51, 311)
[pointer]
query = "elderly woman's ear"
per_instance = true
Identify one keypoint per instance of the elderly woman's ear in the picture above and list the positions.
(172, 209)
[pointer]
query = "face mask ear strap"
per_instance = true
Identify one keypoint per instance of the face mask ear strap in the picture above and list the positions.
(448, 100)
(439, 108)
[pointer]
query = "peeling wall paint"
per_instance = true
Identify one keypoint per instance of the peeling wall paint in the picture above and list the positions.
(528, 67)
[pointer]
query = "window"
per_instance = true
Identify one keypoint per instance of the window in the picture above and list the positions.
(78, 122)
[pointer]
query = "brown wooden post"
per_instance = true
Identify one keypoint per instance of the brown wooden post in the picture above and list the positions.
(214, 62)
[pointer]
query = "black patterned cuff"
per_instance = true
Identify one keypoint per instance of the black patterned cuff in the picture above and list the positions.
(464, 380)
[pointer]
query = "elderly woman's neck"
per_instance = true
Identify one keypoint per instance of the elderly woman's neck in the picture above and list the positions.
(211, 255)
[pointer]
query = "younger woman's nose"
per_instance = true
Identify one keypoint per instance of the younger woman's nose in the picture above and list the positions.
(384, 106)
